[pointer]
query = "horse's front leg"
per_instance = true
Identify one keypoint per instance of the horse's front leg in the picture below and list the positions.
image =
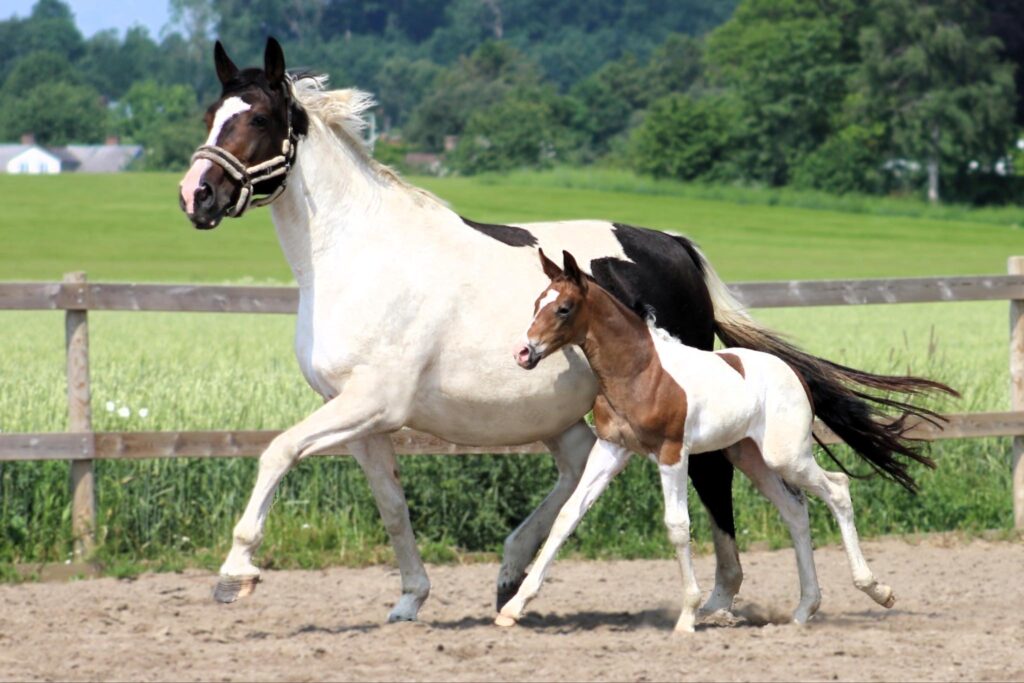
(360, 410)
(570, 450)
(376, 455)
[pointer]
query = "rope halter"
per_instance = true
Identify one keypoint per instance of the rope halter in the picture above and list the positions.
(249, 176)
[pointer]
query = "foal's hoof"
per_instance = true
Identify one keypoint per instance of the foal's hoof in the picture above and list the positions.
(231, 588)
(506, 591)
(884, 596)
(504, 621)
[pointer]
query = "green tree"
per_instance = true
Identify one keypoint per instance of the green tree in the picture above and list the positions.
(401, 85)
(938, 84)
(57, 113)
(163, 119)
(473, 83)
(685, 138)
(528, 128)
(785, 61)
(849, 161)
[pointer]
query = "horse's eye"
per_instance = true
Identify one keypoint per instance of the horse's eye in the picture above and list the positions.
(563, 311)
(259, 121)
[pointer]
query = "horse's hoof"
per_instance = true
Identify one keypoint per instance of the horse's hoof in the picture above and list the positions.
(506, 591)
(406, 609)
(505, 621)
(231, 588)
(890, 601)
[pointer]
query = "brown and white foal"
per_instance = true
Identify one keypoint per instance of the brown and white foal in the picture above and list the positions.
(667, 400)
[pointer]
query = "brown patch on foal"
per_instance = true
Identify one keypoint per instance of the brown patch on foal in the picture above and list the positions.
(733, 361)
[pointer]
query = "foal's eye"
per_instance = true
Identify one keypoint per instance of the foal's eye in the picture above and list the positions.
(563, 311)
(259, 121)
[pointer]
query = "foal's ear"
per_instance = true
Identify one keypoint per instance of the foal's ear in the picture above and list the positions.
(273, 62)
(550, 269)
(226, 69)
(573, 272)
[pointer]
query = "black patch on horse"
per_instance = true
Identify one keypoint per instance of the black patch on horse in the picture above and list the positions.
(506, 234)
(665, 275)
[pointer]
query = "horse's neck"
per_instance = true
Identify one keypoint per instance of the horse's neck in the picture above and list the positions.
(333, 198)
(618, 345)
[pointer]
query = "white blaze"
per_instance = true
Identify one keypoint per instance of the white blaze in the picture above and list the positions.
(228, 109)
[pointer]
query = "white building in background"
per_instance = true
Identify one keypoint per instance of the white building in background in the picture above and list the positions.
(29, 157)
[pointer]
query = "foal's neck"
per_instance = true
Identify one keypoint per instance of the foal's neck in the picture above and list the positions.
(617, 343)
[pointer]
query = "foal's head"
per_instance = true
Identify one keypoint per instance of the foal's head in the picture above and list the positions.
(252, 130)
(559, 314)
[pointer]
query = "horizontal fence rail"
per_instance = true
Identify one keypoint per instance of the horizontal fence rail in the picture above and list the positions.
(232, 444)
(82, 447)
(233, 299)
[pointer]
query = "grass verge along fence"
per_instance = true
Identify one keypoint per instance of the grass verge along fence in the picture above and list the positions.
(82, 446)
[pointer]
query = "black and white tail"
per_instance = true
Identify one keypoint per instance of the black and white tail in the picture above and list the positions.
(843, 397)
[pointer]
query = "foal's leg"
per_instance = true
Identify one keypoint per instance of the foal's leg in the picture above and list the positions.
(677, 520)
(792, 507)
(359, 411)
(570, 450)
(376, 455)
(605, 461)
(834, 489)
(711, 475)
(798, 467)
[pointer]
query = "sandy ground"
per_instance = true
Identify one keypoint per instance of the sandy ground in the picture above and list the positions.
(959, 616)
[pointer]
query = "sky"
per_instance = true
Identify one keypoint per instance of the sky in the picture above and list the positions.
(95, 15)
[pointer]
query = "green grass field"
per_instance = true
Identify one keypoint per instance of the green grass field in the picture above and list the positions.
(188, 370)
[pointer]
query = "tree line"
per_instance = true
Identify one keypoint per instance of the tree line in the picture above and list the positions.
(839, 95)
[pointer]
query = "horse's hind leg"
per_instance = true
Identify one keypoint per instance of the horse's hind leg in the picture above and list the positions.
(570, 450)
(711, 474)
(792, 507)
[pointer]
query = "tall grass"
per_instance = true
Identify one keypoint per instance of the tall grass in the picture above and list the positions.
(195, 371)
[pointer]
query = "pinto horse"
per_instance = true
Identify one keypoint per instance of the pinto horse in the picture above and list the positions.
(661, 397)
(402, 323)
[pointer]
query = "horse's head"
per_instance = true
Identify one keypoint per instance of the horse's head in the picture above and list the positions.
(559, 313)
(253, 129)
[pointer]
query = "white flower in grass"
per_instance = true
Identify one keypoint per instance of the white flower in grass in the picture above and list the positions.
(110, 406)
(306, 526)
(124, 411)
(143, 412)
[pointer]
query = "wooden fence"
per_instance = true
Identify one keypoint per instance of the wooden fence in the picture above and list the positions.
(82, 446)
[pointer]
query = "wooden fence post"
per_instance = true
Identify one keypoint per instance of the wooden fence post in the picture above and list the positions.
(83, 482)
(1016, 267)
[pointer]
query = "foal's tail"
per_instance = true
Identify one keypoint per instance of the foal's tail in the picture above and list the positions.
(841, 395)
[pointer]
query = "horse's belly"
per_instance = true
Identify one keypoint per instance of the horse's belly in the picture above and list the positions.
(504, 404)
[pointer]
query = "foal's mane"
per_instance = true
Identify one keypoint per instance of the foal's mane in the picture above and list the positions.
(343, 113)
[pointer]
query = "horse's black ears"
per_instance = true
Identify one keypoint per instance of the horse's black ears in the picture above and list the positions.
(549, 266)
(572, 271)
(226, 69)
(273, 62)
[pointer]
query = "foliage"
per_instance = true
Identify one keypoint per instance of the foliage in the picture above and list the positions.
(163, 119)
(784, 62)
(685, 138)
(848, 161)
(928, 73)
(57, 113)
(529, 127)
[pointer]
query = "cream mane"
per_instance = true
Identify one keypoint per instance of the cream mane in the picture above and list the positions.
(343, 113)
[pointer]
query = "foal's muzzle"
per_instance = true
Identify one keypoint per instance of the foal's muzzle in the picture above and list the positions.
(527, 356)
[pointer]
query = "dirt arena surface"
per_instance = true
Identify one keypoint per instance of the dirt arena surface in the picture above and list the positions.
(959, 616)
